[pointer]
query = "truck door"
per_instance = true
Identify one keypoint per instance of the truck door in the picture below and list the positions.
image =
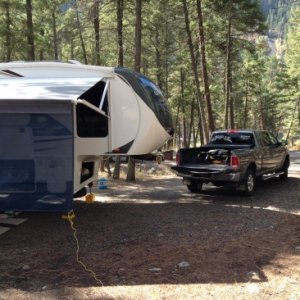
(267, 163)
(276, 152)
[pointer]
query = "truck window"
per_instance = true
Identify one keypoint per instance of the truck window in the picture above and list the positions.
(233, 138)
(265, 138)
(273, 140)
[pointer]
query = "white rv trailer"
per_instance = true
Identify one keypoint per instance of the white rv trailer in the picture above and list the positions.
(57, 119)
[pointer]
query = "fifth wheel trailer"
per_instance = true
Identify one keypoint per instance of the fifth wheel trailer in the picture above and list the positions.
(58, 119)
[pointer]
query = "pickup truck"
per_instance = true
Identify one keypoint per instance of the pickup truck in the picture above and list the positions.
(235, 157)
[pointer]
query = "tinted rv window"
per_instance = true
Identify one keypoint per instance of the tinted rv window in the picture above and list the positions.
(155, 96)
(150, 94)
(90, 123)
(94, 95)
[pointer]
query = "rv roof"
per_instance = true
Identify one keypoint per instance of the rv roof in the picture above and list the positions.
(45, 88)
(52, 70)
(48, 80)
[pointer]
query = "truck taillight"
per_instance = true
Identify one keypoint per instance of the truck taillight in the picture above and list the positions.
(234, 162)
(177, 159)
(232, 131)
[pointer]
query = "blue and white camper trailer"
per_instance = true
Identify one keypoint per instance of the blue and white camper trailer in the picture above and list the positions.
(58, 119)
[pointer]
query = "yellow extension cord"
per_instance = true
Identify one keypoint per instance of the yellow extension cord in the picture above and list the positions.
(70, 216)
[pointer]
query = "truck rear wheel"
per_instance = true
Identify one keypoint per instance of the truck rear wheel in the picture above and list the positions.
(195, 186)
(249, 183)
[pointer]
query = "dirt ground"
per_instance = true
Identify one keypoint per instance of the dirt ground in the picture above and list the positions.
(153, 239)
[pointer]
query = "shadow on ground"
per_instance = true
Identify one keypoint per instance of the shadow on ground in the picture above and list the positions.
(139, 234)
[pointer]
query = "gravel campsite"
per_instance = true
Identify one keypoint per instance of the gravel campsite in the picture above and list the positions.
(153, 239)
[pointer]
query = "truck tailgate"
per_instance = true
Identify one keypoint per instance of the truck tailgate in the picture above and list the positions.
(203, 170)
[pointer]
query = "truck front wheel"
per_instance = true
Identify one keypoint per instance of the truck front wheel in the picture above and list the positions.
(285, 171)
(195, 186)
(249, 183)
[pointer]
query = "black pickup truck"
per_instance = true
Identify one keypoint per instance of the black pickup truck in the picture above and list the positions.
(236, 157)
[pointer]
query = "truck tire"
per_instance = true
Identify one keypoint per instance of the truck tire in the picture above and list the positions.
(249, 183)
(195, 186)
(284, 169)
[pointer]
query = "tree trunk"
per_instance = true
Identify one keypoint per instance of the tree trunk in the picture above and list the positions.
(116, 173)
(107, 165)
(231, 105)
(102, 164)
(79, 27)
(30, 34)
(55, 43)
(246, 106)
(261, 107)
(191, 122)
(228, 78)
(137, 67)
(211, 123)
(131, 169)
(182, 79)
(120, 13)
(158, 59)
(177, 128)
(204, 128)
(96, 22)
(7, 31)
(138, 35)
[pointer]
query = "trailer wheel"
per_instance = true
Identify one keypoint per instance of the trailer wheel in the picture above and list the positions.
(284, 169)
(249, 183)
(195, 186)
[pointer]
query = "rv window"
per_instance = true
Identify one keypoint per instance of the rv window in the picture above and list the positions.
(90, 123)
(94, 95)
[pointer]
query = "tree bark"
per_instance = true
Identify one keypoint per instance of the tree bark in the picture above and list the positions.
(191, 122)
(158, 58)
(138, 35)
(182, 79)
(116, 173)
(120, 13)
(79, 27)
(96, 23)
(7, 31)
(228, 78)
(131, 169)
(261, 107)
(55, 43)
(177, 128)
(137, 67)
(210, 117)
(30, 34)
(246, 106)
(204, 129)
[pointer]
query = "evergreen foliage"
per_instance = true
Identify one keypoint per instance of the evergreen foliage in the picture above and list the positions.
(262, 91)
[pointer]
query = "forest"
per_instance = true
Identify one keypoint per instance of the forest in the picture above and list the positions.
(212, 59)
